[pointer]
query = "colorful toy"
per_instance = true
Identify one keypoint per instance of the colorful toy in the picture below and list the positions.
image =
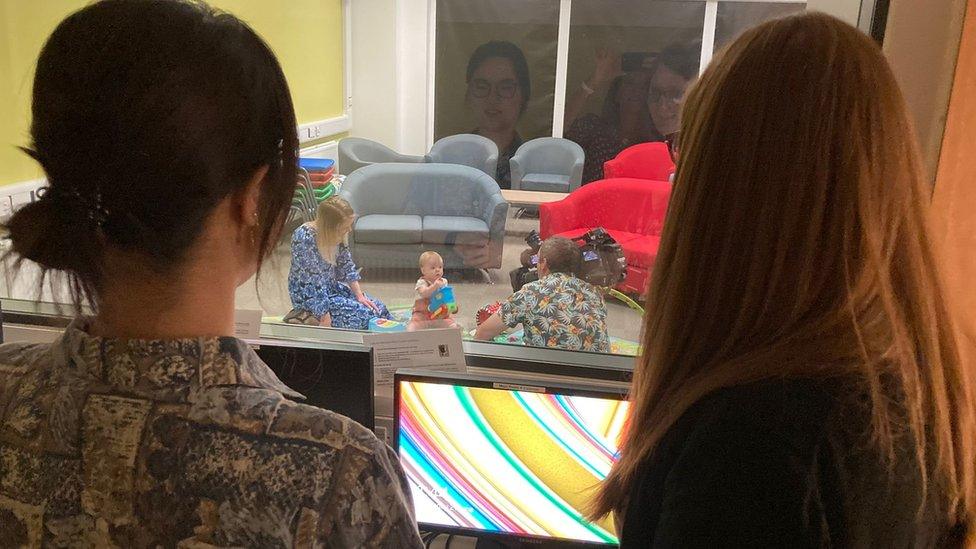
(442, 303)
(486, 311)
(386, 325)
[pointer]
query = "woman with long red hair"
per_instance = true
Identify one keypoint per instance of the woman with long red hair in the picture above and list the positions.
(800, 384)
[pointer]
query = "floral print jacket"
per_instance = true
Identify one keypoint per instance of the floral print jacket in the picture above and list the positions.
(559, 310)
(184, 442)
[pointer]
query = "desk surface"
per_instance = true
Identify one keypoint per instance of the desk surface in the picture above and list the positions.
(531, 198)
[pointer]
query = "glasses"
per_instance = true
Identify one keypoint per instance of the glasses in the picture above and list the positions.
(673, 142)
(506, 89)
(673, 96)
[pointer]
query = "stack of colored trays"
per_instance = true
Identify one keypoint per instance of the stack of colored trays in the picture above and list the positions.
(320, 170)
(320, 174)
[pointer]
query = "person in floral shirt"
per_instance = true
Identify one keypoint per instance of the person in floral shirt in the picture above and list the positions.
(167, 136)
(558, 310)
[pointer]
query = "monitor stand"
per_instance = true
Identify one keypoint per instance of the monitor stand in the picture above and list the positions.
(485, 543)
(469, 542)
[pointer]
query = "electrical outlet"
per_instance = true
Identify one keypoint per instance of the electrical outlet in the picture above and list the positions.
(6, 209)
(19, 200)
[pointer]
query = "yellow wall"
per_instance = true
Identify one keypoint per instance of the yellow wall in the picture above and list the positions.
(305, 34)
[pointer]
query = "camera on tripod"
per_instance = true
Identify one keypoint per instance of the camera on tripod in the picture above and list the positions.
(602, 261)
(529, 271)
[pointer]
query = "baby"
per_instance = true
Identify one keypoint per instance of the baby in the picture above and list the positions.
(431, 269)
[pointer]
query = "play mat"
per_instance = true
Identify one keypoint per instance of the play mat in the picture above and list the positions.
(401, 313)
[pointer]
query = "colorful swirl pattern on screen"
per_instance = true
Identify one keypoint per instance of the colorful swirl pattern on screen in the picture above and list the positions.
(507, 461)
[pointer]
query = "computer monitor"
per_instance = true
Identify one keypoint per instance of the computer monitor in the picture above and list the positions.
(338, 378)
(518, 462)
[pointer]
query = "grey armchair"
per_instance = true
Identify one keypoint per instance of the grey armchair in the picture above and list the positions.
(466, 149)
(405, 209)
(356, 152)
(548, 164)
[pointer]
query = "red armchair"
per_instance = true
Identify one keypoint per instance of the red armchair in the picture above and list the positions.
(641, 161)
(631, 210)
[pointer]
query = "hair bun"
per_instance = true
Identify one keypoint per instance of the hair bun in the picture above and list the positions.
(43, 233)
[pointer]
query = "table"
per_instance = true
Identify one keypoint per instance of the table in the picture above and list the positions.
(531, 198)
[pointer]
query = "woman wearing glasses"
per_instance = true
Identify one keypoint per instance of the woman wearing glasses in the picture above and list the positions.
(641, 105)
(498, 92)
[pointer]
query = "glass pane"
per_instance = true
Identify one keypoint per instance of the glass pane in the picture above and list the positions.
(480, 233)
(509, 48)
(734, 18)
(629, 64)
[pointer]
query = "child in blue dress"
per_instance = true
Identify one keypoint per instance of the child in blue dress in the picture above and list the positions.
(323, 279)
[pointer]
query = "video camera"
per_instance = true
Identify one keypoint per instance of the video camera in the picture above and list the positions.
(528, 272)
(602, 261)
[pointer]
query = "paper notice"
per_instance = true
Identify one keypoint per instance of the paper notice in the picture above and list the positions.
(247, 324)
(435, 349)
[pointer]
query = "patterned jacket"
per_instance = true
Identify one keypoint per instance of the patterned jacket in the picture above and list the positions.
(559, 310)
(184, 442)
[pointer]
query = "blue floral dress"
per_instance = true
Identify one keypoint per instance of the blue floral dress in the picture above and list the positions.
(319, 287)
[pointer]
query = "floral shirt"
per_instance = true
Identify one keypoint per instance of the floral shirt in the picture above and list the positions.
(183, 442)
(559, 310)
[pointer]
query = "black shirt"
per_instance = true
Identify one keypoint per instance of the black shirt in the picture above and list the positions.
(778, 464)
(503, 171)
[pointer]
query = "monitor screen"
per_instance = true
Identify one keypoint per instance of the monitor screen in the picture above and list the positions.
(340, 380)
(503, 458)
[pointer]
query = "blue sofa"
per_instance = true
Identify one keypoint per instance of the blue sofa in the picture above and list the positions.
(405, 209)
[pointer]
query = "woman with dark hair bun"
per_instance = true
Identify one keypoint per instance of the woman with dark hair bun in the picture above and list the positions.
(498, 93)
(168, 138)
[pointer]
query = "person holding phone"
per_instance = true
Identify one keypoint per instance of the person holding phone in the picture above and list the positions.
(642, 102)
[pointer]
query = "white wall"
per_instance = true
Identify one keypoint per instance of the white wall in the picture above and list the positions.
(413, 51)
(374, 102)
(389, 77)
(848, 10)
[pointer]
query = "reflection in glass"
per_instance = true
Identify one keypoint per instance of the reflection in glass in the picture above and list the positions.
(498, 67)
(734, 18)
(495, 72)
(630, 62)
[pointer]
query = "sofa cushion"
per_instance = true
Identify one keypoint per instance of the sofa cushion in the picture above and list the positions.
(442, 229)
(635, 281)
(641, 251)
(545, 182)
(388, 229)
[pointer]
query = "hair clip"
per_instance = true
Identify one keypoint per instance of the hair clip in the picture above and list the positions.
(96, 214)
